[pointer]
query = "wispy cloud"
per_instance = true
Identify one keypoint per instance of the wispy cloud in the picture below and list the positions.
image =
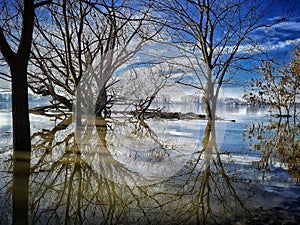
(287, 26)
(283, 44)
(280, 31)
(268, 46)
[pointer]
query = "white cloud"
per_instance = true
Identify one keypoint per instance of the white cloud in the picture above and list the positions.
(268, 46)
(288, 25)
(282, 44)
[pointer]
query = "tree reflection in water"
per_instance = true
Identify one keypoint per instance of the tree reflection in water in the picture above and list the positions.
(213, 197)
(67, 185)
(21, 172)
(278, 142)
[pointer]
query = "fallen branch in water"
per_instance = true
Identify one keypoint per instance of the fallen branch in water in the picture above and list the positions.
(168, 115)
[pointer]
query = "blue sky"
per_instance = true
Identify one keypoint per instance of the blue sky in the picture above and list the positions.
(279, 40)
(281, 37)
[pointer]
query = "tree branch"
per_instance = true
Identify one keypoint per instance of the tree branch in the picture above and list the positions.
(189, 85)
(5, 77)
(6, 50)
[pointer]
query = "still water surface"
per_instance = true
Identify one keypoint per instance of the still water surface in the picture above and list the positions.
(123, 171)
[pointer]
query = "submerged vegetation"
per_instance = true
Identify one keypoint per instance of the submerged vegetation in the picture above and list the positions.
(277, 142)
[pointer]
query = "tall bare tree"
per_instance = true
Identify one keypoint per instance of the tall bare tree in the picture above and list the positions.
(16, 28)
(210, 34)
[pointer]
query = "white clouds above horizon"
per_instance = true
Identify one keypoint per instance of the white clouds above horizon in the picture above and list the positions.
(288, 25)
(282, 31)
(284, 44)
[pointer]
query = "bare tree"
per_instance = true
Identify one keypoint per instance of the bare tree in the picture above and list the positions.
(141, 86)
(16, 28)
(295, 71)
(88, 42)
(210, 36)
(63, 52)
(278, 86)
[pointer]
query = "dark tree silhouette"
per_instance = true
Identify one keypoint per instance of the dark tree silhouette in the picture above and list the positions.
(18, 63)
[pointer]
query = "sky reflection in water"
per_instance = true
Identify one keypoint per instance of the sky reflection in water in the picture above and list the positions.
(157, 172)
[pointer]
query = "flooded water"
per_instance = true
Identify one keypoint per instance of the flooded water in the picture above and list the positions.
(123, 171)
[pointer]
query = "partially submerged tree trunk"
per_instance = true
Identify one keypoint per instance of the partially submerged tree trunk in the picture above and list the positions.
(18, 63)
(20, 112)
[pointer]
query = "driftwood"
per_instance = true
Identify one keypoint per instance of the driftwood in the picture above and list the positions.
(168, 115)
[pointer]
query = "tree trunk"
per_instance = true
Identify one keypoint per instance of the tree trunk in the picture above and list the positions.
(210, 101)
(280, 112)
(144, 107)
(210, 108)
(18, 63)
(101, 104)
(78, 105)
(20, 112)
